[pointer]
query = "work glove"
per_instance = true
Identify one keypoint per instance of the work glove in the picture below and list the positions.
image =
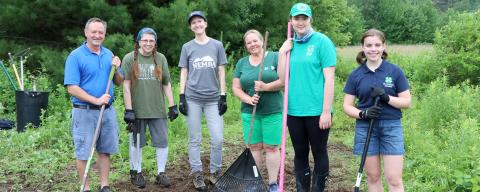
(183, 105)
(372, 112)
(172, 112)
(378, 91)
(129, 116)
(131, 127)
(222, 105)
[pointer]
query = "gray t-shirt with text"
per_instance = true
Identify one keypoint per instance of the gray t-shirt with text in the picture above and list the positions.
(202, 62)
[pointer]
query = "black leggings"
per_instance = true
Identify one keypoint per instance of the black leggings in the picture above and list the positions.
(305, 133)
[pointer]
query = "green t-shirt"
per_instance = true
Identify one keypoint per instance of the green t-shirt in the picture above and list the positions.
(147, 93)
(306, 84)
(270, 101)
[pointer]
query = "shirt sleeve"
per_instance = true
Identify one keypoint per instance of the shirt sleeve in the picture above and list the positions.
(238, 72)
(222, 57)
(165, 71)
(328, 53)
(183, 62)
(126, 66)
(350, 85)
(72, 71)
(401, 82)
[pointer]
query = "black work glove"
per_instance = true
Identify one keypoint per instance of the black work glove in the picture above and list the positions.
(378, 91)
(222, 105)
(131, 127)
(183, 105)
(372, 112)
(129, 116)
(172, 112)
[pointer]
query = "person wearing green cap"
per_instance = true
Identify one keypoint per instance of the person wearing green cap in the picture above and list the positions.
(147, 82)
(312, 69)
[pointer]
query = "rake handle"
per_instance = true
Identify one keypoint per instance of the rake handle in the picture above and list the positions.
(254, 110)
(285, 112)
(97, 131)
(365, 151)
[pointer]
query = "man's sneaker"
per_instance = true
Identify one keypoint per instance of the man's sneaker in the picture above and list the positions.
(273, 187)
(198, 181)
(138, 180)
(162, 180)
(214, 176)
(105, 189)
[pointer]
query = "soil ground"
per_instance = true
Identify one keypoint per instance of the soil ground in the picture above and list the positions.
(182, 182)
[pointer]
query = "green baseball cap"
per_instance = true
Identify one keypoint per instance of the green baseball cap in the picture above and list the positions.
(300, 9)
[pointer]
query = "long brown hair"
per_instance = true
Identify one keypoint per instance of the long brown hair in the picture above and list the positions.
(361, 57)
(135, 69)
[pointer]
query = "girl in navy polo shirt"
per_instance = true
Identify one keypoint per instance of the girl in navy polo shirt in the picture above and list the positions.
(376, 77)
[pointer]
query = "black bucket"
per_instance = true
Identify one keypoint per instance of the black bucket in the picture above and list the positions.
(29, 105)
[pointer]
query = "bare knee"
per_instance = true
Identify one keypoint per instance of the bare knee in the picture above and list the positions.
(270, 148)
(256, 147)
(394, 181)
(373, 177)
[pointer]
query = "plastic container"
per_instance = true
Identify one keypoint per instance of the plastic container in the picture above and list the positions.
(29, 105)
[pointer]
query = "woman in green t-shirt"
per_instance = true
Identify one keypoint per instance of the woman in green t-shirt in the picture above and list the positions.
(267, 130)
(147, 82)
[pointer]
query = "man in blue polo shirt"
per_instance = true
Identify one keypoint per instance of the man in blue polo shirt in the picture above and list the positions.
(87, 72)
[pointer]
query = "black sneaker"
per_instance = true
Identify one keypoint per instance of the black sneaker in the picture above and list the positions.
(133, 174)
(198, 181)
(105, 189)
(162, 180)
(139, 181)
(214, 176)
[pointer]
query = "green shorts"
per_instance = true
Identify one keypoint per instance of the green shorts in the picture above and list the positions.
(267, 129)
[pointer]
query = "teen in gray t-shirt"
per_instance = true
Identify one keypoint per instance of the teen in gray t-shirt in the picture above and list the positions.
(202, 93)
(202, 62)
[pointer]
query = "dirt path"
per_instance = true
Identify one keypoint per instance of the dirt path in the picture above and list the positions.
(182, 182)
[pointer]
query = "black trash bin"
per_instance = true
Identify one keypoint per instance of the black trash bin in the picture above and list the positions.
(29, 105)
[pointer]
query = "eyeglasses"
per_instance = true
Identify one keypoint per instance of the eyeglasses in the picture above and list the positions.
(147, 41)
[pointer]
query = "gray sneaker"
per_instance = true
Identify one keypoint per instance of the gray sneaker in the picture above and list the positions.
(162, 180)
(213, 178)
(198, 181)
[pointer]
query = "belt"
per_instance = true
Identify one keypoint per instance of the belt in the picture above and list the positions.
(89, 107)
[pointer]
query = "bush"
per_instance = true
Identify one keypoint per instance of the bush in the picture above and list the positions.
(441, 139)
(457, 47)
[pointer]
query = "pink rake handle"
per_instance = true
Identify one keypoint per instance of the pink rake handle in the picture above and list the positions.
(285, 112)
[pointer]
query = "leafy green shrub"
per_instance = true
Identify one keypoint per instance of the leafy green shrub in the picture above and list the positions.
(441, 137)
(457, 47)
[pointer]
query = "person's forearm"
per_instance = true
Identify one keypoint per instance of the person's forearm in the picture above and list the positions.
(168, 92)
(127, 96)
(221, 75)
(328, 89)
(79, 93)
(403, 100)
(274, 85)
(183, 79)
(118, 78)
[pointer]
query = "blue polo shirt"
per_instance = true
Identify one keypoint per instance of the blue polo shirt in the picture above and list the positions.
(389, 76)
(89, 71)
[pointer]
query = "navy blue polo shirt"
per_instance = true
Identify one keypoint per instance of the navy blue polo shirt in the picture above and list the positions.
(90, 71)
(389, 76)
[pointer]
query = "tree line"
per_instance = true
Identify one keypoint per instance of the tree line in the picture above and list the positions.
(52, 28)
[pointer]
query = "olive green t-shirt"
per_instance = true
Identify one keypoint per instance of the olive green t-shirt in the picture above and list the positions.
(147, 93)
(270, 101)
